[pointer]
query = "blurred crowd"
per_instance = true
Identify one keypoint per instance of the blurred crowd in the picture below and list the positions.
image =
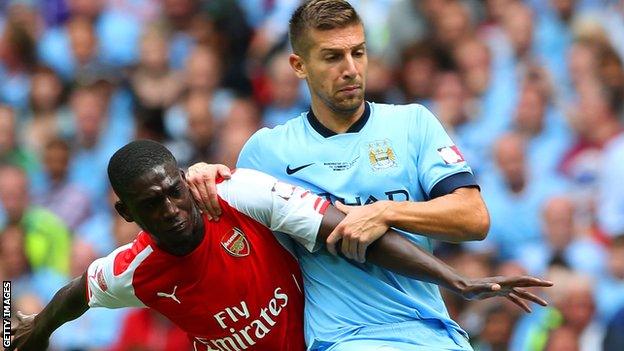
(531, 91)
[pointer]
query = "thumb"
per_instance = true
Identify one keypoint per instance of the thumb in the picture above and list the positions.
(495, 287)
(342, 207)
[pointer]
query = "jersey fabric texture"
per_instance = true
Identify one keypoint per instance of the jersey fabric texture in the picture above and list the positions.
(393, 152)
(239, 289)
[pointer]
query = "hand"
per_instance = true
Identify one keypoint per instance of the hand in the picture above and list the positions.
(201, 179)
(360, 228)
(25, 335)
(508, 287)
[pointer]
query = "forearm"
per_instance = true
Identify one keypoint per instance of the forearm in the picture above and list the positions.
(456, 217)
(69, 303)
(398, 254)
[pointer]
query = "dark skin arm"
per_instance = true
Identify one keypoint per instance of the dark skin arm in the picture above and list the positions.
(398, 254)
(33, 332)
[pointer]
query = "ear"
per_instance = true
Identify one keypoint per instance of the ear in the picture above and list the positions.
(121, 208)
(297, 64)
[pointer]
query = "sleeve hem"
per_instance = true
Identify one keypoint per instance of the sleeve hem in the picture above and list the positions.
(455, 181)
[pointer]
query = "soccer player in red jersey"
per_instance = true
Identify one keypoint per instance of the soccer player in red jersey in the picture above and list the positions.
(228, 284)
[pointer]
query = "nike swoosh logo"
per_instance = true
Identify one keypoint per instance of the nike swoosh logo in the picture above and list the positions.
(290, 171)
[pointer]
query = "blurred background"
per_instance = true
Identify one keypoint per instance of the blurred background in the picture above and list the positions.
(531, 91)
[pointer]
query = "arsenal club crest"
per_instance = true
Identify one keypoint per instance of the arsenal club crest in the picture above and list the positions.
(381, 155)
(235, 243)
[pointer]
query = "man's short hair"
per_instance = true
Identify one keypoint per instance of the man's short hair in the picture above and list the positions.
(320, 15)
(133, 160)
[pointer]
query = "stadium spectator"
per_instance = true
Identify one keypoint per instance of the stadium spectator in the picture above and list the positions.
(562, 242)
(609, 291)
(47, 116)
(17, 59)
(154, 84)
(514, 198)
(286, 96)
(200, 142)
(66, 200)
(47, 240)
(11, 151)
(91, 32)
(611, 195)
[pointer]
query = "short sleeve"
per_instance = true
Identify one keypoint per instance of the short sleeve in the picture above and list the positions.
(279, 206)
(105, 289)
(440, 164)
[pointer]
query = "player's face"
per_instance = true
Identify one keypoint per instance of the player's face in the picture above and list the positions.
(161, 203)
(335, 67)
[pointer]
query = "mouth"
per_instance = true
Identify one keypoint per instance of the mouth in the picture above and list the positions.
(178, 227)
(350, 88)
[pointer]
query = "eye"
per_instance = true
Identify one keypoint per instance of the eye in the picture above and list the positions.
(359, 53)
(177, 191)
(331, 58)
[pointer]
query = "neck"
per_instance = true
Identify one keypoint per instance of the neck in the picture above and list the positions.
(337, 121)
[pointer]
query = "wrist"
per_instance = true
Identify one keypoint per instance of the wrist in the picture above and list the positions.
(387, 212)
(458, 284)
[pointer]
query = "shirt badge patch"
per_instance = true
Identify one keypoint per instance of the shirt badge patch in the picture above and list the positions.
(235, 243)
(99, 276)
(451, 155)
(381, 155)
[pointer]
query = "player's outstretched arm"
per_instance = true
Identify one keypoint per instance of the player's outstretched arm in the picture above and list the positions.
(33, 332)
(396, 253)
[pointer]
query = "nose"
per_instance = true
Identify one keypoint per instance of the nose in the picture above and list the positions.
(171, 210)
(350, 69)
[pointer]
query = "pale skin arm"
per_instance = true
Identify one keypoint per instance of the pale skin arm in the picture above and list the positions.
(455, 217)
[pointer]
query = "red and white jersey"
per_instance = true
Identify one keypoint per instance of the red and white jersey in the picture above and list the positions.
(239, 289)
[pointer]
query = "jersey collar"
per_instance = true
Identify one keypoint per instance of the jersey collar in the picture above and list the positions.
(326, 132)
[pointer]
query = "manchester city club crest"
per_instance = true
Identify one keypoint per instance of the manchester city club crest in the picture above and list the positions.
(235, 243)
(381, 155)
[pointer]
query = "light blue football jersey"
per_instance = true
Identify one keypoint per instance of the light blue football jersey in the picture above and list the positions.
(393, 152)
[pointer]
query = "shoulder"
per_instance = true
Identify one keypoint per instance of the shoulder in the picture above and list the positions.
(292, 126)
(129, 256)
(406, 111)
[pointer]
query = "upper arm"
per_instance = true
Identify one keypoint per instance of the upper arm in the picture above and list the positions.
(441, 166)
(279, 206)
(106, 289)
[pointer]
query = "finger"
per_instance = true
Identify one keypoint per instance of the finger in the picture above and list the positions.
(214, 200)
(516, 300)
(361, 252)
(342, 207)
(332, 239)
(195, 182)
(346, 248)
(529, 296)
(224, 171)
(195, 194)
(204, 190)
(526, 281)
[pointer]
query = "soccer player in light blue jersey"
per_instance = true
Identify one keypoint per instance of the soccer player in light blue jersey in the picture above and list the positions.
(383, 165)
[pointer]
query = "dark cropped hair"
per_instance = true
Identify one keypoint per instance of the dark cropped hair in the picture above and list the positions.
(135, 159)
(321, 15)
